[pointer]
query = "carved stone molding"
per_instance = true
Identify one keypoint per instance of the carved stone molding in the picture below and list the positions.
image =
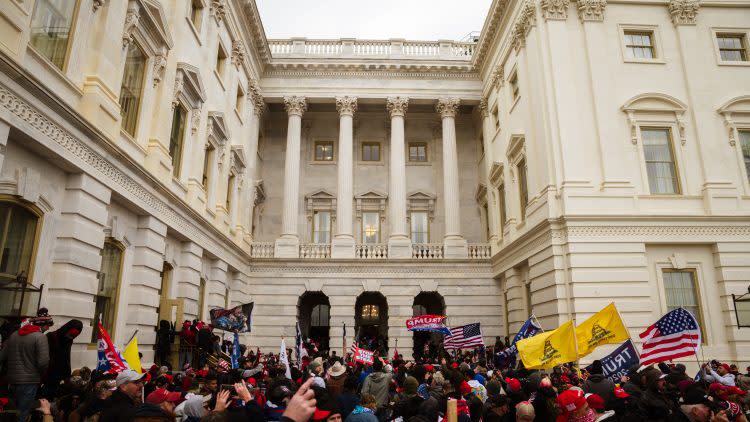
(484, 107)
(684, 12)
(397, 106)
(238, 53)
(498, 77)
(295, 105)
(346, 105)
(160, 64)
(131, 21)
(555, 9)
(218, 9)
(447, 107)
(525, 21)
(591, 10)
(96, 4)
(195, 120)
(259, 105)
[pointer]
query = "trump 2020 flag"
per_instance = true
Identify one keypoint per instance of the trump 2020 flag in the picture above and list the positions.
(604, 327)
(617, 363)
(110, 360)
(236, 351)
(528, 329)
(547, 350)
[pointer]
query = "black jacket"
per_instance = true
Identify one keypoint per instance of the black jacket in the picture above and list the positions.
(655, 406)
(120, 408)
(601, 386)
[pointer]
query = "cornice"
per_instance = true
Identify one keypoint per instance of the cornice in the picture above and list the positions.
(490, 29)
(377, 268)
(362, 71)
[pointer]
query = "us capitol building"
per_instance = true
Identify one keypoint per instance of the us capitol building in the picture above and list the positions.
(162, 158)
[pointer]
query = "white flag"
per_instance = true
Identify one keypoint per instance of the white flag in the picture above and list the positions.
(285, 359)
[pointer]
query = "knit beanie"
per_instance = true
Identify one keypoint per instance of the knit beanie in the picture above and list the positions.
(410, 386)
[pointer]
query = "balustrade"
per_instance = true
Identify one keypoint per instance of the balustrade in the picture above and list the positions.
(388, 49)
(371, 251)
(427, 250)
(480, 251)
(315, 250)
(261, 250)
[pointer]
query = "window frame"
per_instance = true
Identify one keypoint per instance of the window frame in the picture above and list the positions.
(69, 44)
(740, 131)
(315, 151)
(427, 224)
(743, 32)
(313, 227)
(656, 43)
(694, 270)
(371, 144)
(15, 201)
(515, 88)
(177, 167)
(190, 17)
(118, 289)
(141, 94)
(418, 144)
(379, 228)
(673, 151)
(239, 102)
(523, 185)
(206, 176)
(220, 67)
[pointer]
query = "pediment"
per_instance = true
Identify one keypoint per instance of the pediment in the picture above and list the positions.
(372, 195)
(496, 173)
(654, 102)
(739, 104)
(515, 146)
(320, 194)
(420, 195)
(238, 157)
(158, 22)
(217, 126)
(192, 84)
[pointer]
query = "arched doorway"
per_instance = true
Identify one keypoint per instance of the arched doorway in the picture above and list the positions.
(425, 342)
(371, 321)
(314, 315)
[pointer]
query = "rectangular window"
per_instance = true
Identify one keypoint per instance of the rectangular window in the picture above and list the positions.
(132, 87)
(370, 227)
(322, 227)
(208, 158)
(196, 13)
(418, 152)
(503, 212)
(176, 138)
(523, 188)
(221, 61)
(370, 151)
(681, 291)
(164, 310)
(230, 191)
(51, 26)
(732, 47)
(514, 87)
(240, 100)
(486, 210)
(745, 145)
(420, 228)
(660, 163)
(202, 299)
(107, 291)
(639, 45)
(324, 151)
(17, 241)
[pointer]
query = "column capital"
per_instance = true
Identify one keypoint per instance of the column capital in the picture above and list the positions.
(447, 107)
(397, 106)
(295, 105)
(484, 107)
(346, 105)
(684, 12)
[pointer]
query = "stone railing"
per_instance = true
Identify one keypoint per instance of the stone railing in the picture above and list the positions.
(427, 250)
(480, 251)
(371, 251)
(349, 48)
(315, 250)
(261, 250)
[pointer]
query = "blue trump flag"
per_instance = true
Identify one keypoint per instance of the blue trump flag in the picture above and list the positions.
(616, 364)
(529, 328)
(236, 351)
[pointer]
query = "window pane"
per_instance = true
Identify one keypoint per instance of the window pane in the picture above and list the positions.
(109, 281)
(745, 145)
(662, 173)
(321, 227)
(680, 291)
(523, 187)
(324, 151)
(50, 29)
(419, 227)
(370, 227)
(207, 159)
(503, 212)
(176, 139)
(132, 87)
(18, 233)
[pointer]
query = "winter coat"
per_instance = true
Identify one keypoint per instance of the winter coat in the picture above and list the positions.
(25, 356)
(120, 408)
(601, 386)
(347, 401)
(335, 385)
(434, 405)
(59, 351)
(655, 406)
(377, 384)
(407, 407)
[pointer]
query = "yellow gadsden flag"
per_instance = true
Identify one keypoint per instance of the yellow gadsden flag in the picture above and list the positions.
(604, 327)
(130, 354)
(547, 350)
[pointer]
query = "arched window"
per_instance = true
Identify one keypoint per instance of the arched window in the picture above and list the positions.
(18, 230)
(108, 291)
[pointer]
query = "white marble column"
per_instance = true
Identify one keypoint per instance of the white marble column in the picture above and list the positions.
(492, 205)
(399, 242)
(287, 246)
(343, 243)
(256, 117)
(454, 243)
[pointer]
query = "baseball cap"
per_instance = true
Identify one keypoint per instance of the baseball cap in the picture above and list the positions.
(570, 401)
(161, 395)
(595, 401)
(127, 376)
(620, 393)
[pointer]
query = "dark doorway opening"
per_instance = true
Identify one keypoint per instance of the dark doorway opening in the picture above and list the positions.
(427, 344)
(314, 316)
(371, 319)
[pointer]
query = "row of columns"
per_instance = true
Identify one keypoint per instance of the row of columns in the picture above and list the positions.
(399, 241)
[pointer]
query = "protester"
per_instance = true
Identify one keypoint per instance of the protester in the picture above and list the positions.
(722, 374)
(125, 399)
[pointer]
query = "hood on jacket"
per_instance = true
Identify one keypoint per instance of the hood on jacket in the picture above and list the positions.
(28, 329)
(378, 377)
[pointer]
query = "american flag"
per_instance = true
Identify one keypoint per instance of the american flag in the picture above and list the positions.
(675, 335)
(463, 337)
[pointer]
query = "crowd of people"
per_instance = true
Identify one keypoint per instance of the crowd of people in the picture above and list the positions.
(39, 383)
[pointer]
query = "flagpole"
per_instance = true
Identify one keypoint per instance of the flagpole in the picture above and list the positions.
(537, 322)
(343, 343)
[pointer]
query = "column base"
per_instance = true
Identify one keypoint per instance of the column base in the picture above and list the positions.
(287, 246)
(342, 247)
(399, 247)
(455, 247)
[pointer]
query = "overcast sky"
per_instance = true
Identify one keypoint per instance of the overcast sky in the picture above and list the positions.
(373, 19)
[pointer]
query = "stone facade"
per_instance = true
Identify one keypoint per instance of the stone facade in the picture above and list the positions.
(507, 175)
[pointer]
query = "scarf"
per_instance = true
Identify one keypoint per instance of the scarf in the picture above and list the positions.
(590, 416)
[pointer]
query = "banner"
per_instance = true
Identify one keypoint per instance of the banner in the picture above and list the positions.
(364, 356)
(237, 319)
(547, 350)
(616, 364)
(236, 352)
(528, 329)
(109, 359)
(435, 323)
(604, 327)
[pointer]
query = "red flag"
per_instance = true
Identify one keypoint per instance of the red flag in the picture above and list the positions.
(395, 353)
(110, 360)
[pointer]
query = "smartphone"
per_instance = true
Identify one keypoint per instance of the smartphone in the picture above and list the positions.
(230, 387)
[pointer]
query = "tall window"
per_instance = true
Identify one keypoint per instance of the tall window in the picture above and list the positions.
(523, 188)
(240, 100)
(208, 158)
(176, 138)
(221, 61)
(108, 290)
(51, 26)
(321, 227)
(681, 291)
(660, 163)
(324, 151)
(745, 145)
(230, 191)
(417, 152)
(420, 231)
(370, 151)
(486, 210)
(639, 45)
(370, 227)
(202, 299)
(503, 212)
(18, 228)
(196, 13)
(226, 298)
(320, 315)
(732, 47)
(132, 87)
(514, 89)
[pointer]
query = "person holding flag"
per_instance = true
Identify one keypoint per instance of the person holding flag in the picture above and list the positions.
(507, 357)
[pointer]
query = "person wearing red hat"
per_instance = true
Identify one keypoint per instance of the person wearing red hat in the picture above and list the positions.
(596, 402)
(574, 407)
(722, 374)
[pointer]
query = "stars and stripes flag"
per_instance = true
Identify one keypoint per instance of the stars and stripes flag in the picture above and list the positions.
(110, 359)
(673, 336)
(463, 337)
